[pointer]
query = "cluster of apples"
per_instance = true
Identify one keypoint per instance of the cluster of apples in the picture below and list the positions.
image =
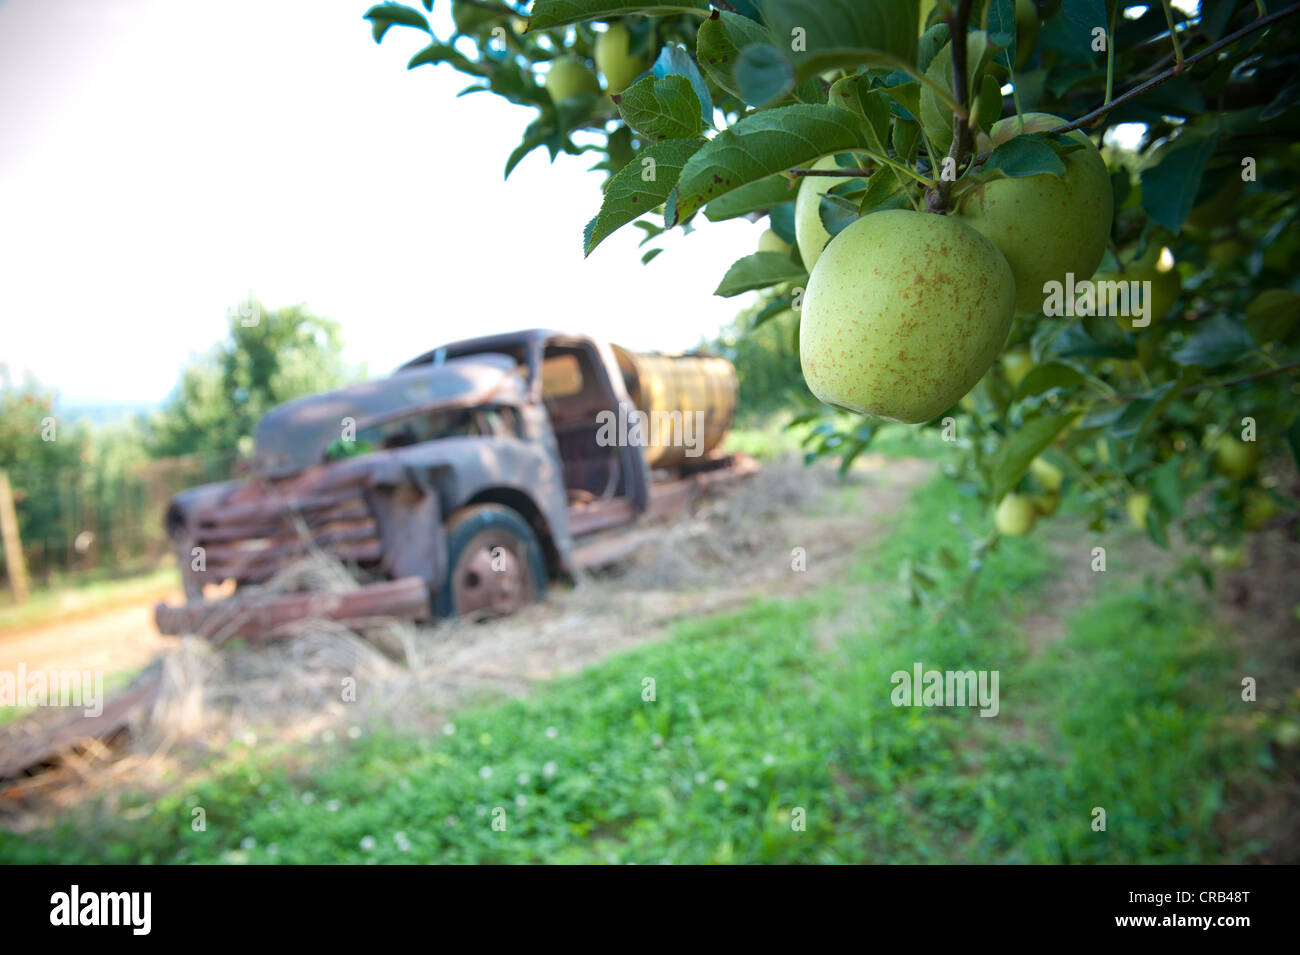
(905, 311)
(570, 76)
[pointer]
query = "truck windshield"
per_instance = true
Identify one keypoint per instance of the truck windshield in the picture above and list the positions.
(428, 425)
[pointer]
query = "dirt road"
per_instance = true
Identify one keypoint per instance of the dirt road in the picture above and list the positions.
(111, 641)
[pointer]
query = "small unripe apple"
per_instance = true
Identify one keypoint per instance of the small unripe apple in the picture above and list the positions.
(1138, 506)
(1235, 459)
(613, 59)
(1157, 267)
(1258, 508)
(1047, 473)
(769, 241)
(1016, 363)
(903, 313)
(1228, 252)
(1229, 558)
(1015, 516)
(1218, 207)
(1045, 226)
(809, 233)
(569, 77)
(1046, 504)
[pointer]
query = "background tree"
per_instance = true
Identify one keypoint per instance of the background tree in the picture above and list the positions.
(221, 395)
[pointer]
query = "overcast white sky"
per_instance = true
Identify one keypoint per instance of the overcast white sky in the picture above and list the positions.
(158, 160)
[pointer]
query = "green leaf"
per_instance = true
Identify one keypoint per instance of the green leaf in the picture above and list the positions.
(385, 15)
(1167, 487)
(752, 197)
(1169, 188)
(1272, 314)
(987, 108)
(1022, 447)
(554, 13)
(932, 41)
(1025, 156)
(771, 310)
(673, 60)
(763, 74)
(884, 191)
(1001, 22)
(1293, 439)
(445, 53)
(853, 92)
(1046, 376)
(762, 144)
(718, 45)
(829, 33)
(1142, 411)
(661, 108)
(837, 213)
(629, 193)
(1216, 341)
(760, 270)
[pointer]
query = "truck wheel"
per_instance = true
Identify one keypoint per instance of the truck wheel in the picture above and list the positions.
(494, 564)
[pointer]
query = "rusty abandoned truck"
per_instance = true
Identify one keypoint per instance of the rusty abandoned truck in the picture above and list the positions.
(459, 485)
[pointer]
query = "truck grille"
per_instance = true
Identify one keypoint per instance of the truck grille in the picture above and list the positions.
(261, 527)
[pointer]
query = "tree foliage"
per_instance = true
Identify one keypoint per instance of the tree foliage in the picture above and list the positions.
(1197, 120)
(264, 361)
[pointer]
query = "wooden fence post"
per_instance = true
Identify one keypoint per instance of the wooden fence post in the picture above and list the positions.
(13, 544)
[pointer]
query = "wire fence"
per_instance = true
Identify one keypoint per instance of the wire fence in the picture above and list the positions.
(85, 522)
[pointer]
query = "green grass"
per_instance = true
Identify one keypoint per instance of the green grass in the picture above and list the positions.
(77, 596)
(757, 714)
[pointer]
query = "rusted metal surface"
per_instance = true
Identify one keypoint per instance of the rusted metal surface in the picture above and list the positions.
(268, 617)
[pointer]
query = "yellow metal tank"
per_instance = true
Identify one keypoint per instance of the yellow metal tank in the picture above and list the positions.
(685, 384)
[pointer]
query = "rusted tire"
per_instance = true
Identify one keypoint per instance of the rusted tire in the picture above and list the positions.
(494, 564)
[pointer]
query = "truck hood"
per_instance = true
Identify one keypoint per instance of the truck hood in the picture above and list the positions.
(294, 435)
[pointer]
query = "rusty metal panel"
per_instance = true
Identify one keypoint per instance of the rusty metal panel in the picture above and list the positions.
(268, 616)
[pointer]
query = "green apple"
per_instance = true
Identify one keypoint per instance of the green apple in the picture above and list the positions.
(1218, 207)
(1229, 558)
(809, 233)
(1235, 459)
(1047, 474)
(569, 77)
(1045, 226)
(1258, 508)
(1016, 363)
(469, 18)
(1228, 252)
(1015, 516)
(769, 241)
(1138, 505)
(1046, 504)
(903, 313)
(614, 61)
(1157, 267)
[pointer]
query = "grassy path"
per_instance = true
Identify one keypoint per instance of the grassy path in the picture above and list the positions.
(771, 737)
